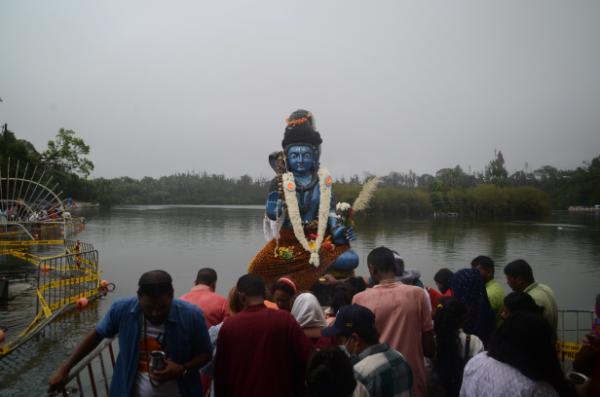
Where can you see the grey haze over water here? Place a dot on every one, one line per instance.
(161, 87)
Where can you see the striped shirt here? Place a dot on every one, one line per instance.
(384, 372)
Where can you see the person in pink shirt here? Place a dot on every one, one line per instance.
(203, 295)
(402, 315)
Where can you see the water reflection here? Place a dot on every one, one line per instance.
(563, 248)
(26, 371)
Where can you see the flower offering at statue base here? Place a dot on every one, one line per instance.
(327, 244)
(285, 253)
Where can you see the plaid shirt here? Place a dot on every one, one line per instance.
(384, 372)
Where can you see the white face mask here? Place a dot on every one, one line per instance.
(353, 357)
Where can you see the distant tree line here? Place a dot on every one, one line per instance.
(492, 192)
(489, 193)
(182, 188)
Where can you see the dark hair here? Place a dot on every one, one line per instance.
(382, 260)
(370, 337)
(342, 296)
(206, 276)
(300, 129)
(449, 317)
(527, 342)
(443, 276)
(251, 285)
(467, 286)
(357, 283)
(155, 283)
(398, 264)
(521, 302)
(285, 287)
(322, 292)
(235, 303)
(520, 269)
(484, 261)
(330, 374)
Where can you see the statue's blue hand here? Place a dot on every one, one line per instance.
(272, 207)
(342, 235)
(350, 235)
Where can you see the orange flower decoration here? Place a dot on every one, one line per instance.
(295, 122)
(291, 186)
(328, 180)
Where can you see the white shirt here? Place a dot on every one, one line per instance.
(360, 390)
(475, 345)
(487, 377)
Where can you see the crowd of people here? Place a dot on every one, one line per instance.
(386, 335)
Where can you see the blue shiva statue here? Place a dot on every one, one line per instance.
(301, 195)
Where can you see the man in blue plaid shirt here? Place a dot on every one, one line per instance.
(381, 369)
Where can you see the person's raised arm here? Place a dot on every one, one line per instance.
(85, 347)
(427, 338)
(428, 344)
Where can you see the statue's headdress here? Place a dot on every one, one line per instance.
(301, 129)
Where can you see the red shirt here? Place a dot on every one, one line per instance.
(261, 352)
(435, 296)
(213, 305)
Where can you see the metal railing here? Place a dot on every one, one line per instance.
(61, 282)
(92, 375)
(73, 246)
(65, 279)
(573, 325)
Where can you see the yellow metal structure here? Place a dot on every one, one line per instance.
(35, 227)
(62, 280)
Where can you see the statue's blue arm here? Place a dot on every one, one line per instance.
(274, 206)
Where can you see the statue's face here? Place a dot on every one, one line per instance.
(301, 159)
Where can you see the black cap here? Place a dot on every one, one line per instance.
(352, 319)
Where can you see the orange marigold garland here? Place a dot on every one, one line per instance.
(296, 122)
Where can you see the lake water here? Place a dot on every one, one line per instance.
(563, 249)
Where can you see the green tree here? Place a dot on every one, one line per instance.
(495, 172)
(16, 149)
(450, 178)
(67, 153)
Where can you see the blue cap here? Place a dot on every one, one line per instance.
(352, 319)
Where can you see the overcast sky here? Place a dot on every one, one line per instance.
(158, 87)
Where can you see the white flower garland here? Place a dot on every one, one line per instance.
(289, 191)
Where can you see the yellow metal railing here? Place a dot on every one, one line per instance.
(62, 281)
(573, 325)
(29, 243)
